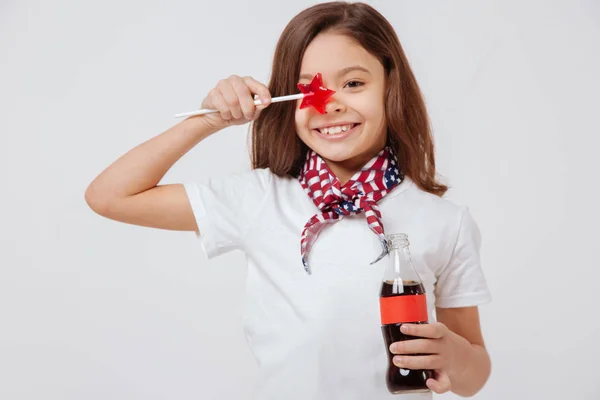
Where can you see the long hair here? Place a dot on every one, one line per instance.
(275, 144)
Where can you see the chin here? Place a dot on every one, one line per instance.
(336, 152)
(338, 157)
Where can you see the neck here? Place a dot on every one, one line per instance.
(345, 170)
(341, 172)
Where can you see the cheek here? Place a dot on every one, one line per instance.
(374, 114)
(375, 111)
(370, 106)
(301, 121)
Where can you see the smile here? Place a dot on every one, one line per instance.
(336, 131)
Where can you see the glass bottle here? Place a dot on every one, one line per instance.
(402, 300)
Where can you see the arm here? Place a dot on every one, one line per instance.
(128, 189)
(473, 365)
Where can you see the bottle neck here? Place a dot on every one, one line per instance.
(401, 267)
(397, 241)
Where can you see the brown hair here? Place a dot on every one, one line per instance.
(275, 144)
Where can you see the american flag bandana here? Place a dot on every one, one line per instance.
(361, 193)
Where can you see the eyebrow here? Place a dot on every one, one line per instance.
(341, 72)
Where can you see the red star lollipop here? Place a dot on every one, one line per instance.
(315, 94)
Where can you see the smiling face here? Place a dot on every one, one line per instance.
(353, 129)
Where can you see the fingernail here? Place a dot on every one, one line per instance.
(392, 348)
(404, 328)
(397, 361)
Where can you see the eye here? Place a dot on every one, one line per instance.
(353, 84)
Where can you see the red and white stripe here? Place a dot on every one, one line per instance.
(363, 191)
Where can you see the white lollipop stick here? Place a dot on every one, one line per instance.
(256, 102)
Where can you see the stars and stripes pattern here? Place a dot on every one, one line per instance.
(360, 194)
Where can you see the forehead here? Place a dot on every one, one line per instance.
(331, 52)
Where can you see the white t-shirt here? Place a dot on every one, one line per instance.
(319, 336)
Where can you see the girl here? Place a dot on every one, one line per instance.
(312, 306)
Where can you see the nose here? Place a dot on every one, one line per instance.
(334, 105)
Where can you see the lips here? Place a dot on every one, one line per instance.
(336, 132)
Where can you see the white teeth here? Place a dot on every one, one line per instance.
(333, 130)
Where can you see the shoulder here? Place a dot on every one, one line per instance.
(412, 205)
(272, 188)
(410, 195)
(248, 187)
(258, 180)
(258, 176)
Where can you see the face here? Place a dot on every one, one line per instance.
(353, 129)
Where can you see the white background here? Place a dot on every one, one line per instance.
(94, 309)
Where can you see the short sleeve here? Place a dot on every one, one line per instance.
(461, 283)
(225, 207)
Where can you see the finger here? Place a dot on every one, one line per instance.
(441, 383)
(433, 361)
(434, 330)
(231, 98)
(258, 108)
(244, 96)
(218, 103)
(415, 346)
(260, 89)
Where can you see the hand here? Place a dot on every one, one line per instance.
(234, 99)
(439, 350)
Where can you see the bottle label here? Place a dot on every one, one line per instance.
(400, 309)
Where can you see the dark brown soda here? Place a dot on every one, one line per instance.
(414, 380)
